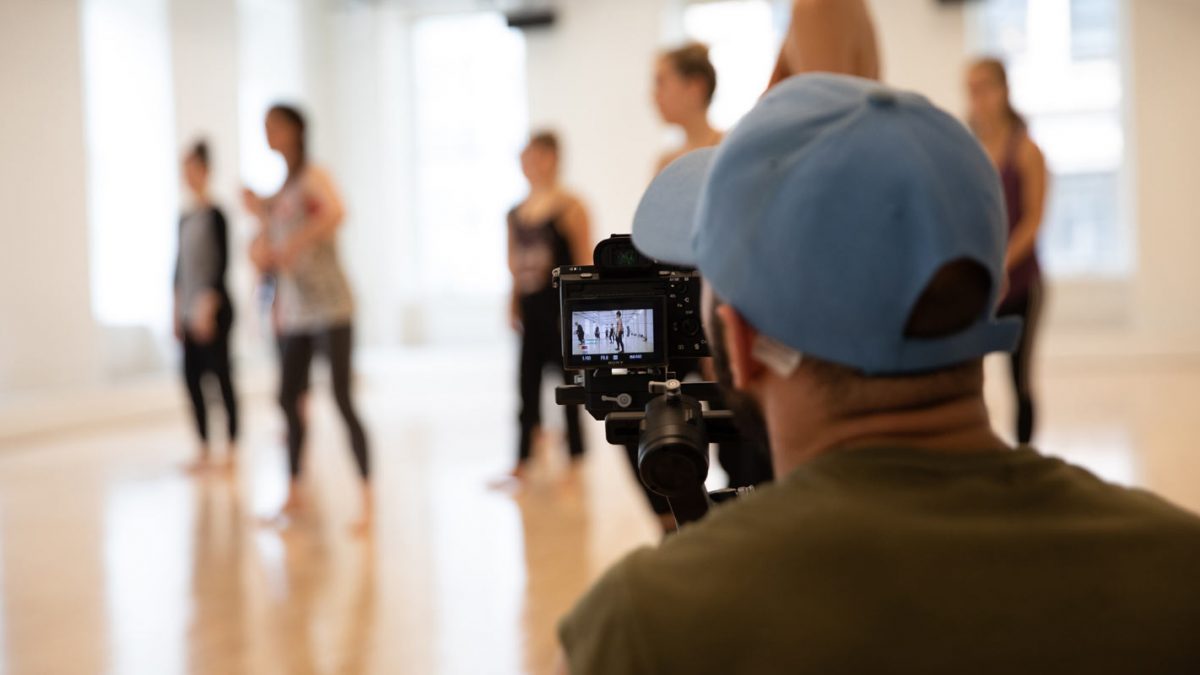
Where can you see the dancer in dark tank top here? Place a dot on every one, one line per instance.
(548, 229)
(1004, 135)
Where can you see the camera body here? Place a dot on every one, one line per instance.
(628, 311)
(628, 323)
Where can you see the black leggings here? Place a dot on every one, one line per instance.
(297, 354)
(540, 347)
(211, 357)
(1029, 309)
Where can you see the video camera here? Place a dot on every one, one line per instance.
(629, 324)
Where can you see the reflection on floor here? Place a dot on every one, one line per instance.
(111, 559)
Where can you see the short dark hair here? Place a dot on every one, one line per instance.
(198, 152)
(691, 62)
(545, 139)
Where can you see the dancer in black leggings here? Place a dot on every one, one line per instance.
(620, 334)
(547, 230)
(1023, 174)
(298, 350)
(203, 313)
(314, 306)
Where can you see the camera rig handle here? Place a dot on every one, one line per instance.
(603, 393)
(672, 437)
(661, 417)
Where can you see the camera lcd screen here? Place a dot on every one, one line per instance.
(622, 334)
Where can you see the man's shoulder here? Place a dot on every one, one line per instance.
(792, 558)
(1085, 489)
(672, 592)
(831, 511)
(772, 522)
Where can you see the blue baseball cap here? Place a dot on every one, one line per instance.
(825, 213)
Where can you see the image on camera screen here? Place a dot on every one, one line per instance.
(618, 334)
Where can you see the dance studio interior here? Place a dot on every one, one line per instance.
(310, 363)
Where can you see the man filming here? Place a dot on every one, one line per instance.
(852, 239)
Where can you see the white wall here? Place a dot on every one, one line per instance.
(47, 337)
(204, 54)
(590, 78)
(923, 47)
(367, 146)
(1165, 100)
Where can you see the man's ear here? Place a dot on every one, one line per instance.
(739, 339)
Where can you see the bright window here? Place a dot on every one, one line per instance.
(471, 120)
(1065, 76)
(743, 45)
(132, 176)
(269, 72)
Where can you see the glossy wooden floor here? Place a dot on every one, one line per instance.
(113, 560)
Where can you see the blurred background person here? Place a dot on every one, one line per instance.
(203, 313)
(548, 229)
(684, 83)
(832, 36)
(1003, 133)
(314, 305)
(823, 35)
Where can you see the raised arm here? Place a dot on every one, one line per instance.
(833, 36)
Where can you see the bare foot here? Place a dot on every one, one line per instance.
(197, 466)
(365, 525)
(279, 521)
(295, 502)
(228, 468)
(292, 511)
(575, 470)
(513, 480)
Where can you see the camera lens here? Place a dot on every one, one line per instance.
(673, 456)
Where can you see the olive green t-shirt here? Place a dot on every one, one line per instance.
(900, 561)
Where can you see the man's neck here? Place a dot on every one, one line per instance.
(957, 424)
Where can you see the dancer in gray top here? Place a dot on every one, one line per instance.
(203, 314)
(298, 244)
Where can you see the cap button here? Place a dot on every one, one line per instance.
(881, 98)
